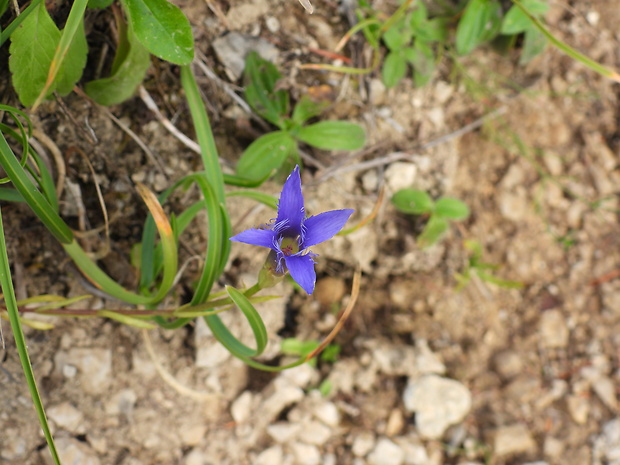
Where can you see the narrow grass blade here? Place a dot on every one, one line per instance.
(6, 33)
(571, 52)
(37, 202)
(11, 304)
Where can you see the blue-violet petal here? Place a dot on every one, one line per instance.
(301, 268)
(260, 237)
(324, 226)
(291, 204)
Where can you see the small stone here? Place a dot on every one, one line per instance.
(415, 452)
(67, 417)
(386, 452)
(330, 290)
(233, 48)
(607, 445)
(328, 413)
(122, 402)
(94, 367)
(400, 175)
(553, 447)
(578, 408)
(606, 391)
(195, 457)
(72, 451)
(272, 456)
(363, 443)
(553, 330)
(283, 432)
(377, 92)
(315, 433)
(395, 423)
(513, 439)
(370, 181)
(508, 364)
(240, 409)
(306, 454)
(272, 24)
(437, 402)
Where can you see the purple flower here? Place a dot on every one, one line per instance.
(292, 233)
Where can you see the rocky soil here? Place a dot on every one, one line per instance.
(428, 373)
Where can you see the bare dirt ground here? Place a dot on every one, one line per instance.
(429, 374)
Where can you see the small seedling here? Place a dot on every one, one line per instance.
(410, 42)
(440, 212)
(475, 266)
(269, 152)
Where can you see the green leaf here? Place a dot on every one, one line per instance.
(265, 199)
(222, 333)
(434, 229)
(451, 208)
(516, 21)
(260, 79)
(162, 28)
(333, 135)
(481, 22)
(413, 202)
(32, 48)
(433, 30)
(128, 72)
(99, 4)
(394, 68)
(398, 35)
(533, 44)
(265, 155)
(307, 108)
(74, 62)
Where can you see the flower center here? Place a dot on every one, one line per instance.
(290, 245)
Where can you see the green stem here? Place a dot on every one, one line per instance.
(571, 52)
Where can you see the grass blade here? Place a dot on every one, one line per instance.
(11, 304)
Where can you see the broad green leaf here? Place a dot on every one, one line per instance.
(451, 208)
(434, 229)
(480, 22)
(265, 155)
(433, 30)
(126, 76)
(32, 48)
(533, 44)
(394, 68)
(516, 21)
(413, 201)
(333, 135)
(398, 35)
(419, 16)
(307, 108)
(99, 4)
(74, 62)
(260, 79)
(162, 28)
